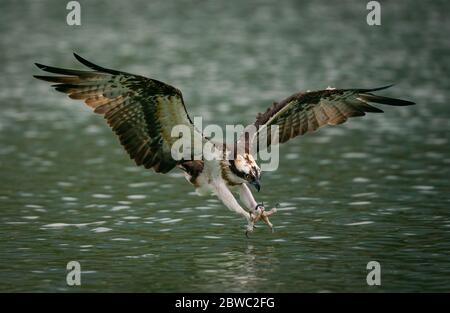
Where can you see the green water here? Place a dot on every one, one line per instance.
(376, 188)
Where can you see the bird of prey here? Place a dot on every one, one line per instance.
(143, 111)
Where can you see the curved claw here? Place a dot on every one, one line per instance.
(249, 229)
(265, 217)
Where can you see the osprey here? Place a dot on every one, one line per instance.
(143, 111)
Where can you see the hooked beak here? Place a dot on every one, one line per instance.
(256, 184)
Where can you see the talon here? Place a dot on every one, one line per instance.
(270, 225)
(271, 212)
(265, 217)
(249, 230)
(255, 215)
(259, 213)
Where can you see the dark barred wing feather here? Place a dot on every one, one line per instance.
(305, 112)
(141, 111)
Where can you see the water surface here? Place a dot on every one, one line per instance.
(376, 188)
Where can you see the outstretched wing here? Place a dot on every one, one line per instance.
(305, 112)
(141, 111)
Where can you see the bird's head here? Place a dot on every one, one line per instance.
(245, 167)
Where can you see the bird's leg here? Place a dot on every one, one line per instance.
(249, 202)
(257, 211)
(226, 196)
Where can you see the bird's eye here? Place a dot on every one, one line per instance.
(247, 176)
